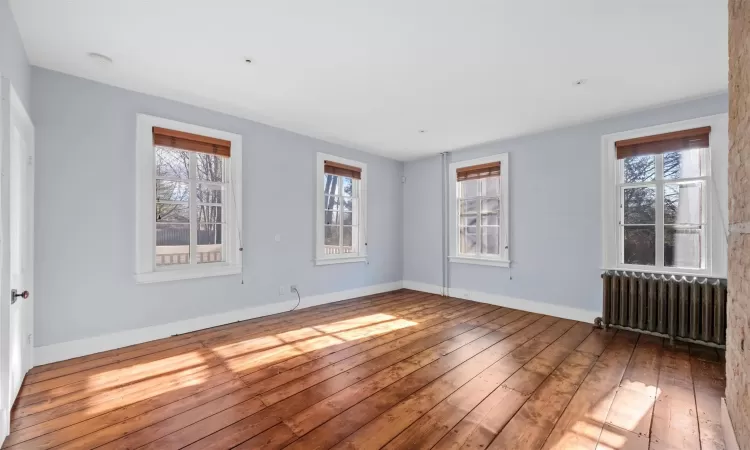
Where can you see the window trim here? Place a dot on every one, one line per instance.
(715, 195)
(321, 258)
(145, 200)
(453, 256)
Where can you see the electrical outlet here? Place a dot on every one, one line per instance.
(293, 288)
(282, 290)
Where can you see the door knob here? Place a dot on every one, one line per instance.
(14, 295)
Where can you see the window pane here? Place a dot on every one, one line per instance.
(682, 247)
(211, 214)
(172, 163)
(490, 187)
(490, 204)
(640, 245)
(347, 186)
(209, 246)
(331, 202)
(331, 217)
(683, 203)
(468, 188)
(166, 212)
(491, 218)
(348, 218)
(347, 242)
(468, 220)
(638, 169)
(209, 167)
(349, 203)
(209, 234)
(467, 240)
(331, 186)
(684, 164)
(639, 204)
(332, 236)
(468, 206)
(490, 240)
(174, 191)
(172, 244)
(208, 193)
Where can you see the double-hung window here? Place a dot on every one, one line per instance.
(669, 201)
(187, 217)
(479, 211)
(340, 210)
(663, 188)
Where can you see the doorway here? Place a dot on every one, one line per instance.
(16, 248)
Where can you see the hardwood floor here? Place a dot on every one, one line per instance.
(398, 370)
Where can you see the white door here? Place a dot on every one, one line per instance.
(16, 247)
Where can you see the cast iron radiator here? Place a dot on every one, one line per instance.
(692, 309)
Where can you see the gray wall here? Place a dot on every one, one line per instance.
(85, 201)
(13, 62)
(555, 241)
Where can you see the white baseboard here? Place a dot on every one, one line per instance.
(565, 312)
(423, 287)
(72, 349)
(730, 439)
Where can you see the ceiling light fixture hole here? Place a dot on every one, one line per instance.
(580, 82)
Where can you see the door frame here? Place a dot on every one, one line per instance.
(13, 111)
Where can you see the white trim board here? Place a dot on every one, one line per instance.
(730, 438)
(72, 349)
(565, 312)
(423, 287)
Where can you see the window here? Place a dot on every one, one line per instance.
(341, 210)
(188, 212)
(668, 204)
(480, 211)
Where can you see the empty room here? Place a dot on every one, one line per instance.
(396, 224)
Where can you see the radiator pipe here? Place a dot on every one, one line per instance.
(446, 224)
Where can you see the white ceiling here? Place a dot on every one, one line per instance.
(371, 73)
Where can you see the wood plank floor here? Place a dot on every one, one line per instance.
(398, 370)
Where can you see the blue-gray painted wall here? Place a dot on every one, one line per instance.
(555, 207)
(85, 204)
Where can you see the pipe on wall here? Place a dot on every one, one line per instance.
(445, 227)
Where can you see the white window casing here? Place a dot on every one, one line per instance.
(359, 233)
(503, 258)
(714, 200)
(146, 270)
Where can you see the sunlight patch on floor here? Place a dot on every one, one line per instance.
(276, 354)
(619, 420)
(259, 359)
(235, 349)
(382, 328)
(137, 372)
(138, 393)
(354, 323)
(246, 346)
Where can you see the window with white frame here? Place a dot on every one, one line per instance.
(340, 210)
(663, 199)
(188, 215)
(480, 211)
(669, 195)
